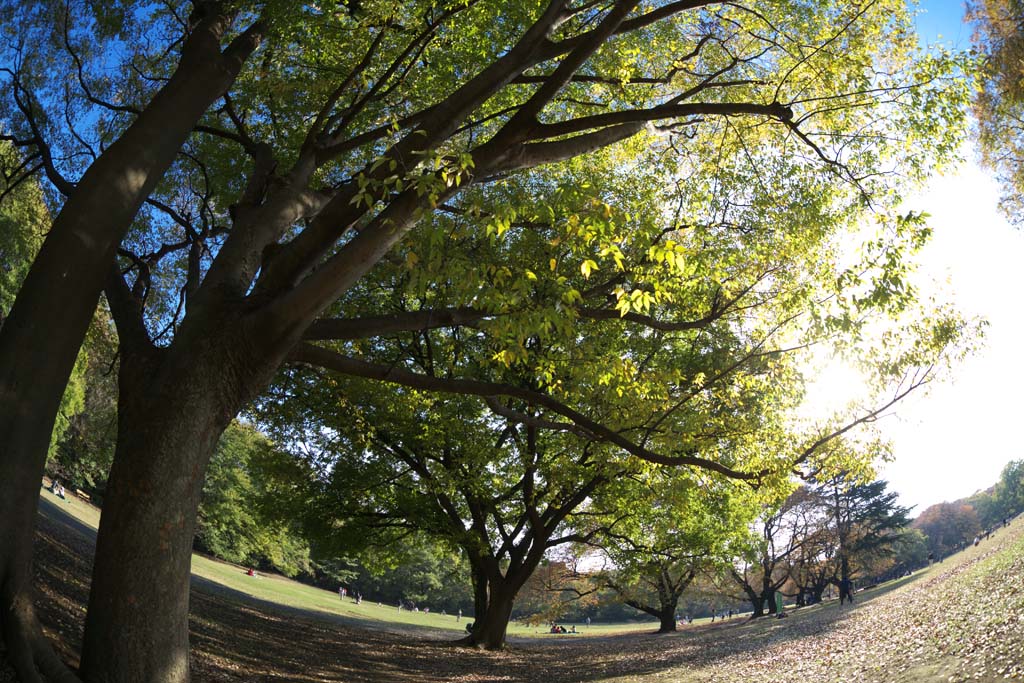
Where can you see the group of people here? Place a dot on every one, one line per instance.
(356, 596)
(557, 628)
(57, 489)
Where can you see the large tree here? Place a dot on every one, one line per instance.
(398, 465)
(363, 122)
(97, 202)
(866, 521)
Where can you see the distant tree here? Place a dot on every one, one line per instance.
(866, 519)
(988, 506)
(1009, 490)
(823, 533)
(85, 451)
(948, 526)
(775, 540)
(812, 567)
(420, 572)
(909, 552)
(999, 103)
(24, 221)
(677, 526)
(1003, 499)
(240, 516)
(557, 591)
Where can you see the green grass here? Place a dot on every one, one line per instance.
(288, 593)
(283, 591)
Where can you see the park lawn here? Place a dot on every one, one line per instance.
(284, 592)
(960, 620)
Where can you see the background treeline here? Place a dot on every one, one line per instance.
(950, 526)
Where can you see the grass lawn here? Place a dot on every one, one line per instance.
(962, 620)
(285, 592)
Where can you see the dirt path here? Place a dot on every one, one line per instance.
(957, 620)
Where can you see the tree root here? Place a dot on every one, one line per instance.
(28, 651)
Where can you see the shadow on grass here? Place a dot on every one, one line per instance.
(237, 637)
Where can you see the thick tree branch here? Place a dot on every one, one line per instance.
(320, 357)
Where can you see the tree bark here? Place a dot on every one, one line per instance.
(40, 338)
(667, 619)
(479, 592)
(173, 406)
(768, 599)
(491, 627)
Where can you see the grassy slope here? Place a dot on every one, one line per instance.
(960, 620)
(283, 591)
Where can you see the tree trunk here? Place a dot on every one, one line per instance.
(41, 336)
(756, 601)
(667, 617)
(491, 627)
(767, 593)
(668, 596)
(665, 613)
(479, 591)
(27, 649)
(173, 406)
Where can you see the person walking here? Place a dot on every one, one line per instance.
(846, 590)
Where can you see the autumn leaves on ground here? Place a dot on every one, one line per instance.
(960, 620)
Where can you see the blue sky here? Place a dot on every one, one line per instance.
(940, 21)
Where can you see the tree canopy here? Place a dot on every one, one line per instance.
(999, 102)
(614, 225)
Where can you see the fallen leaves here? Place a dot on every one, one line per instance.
(962, 621)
